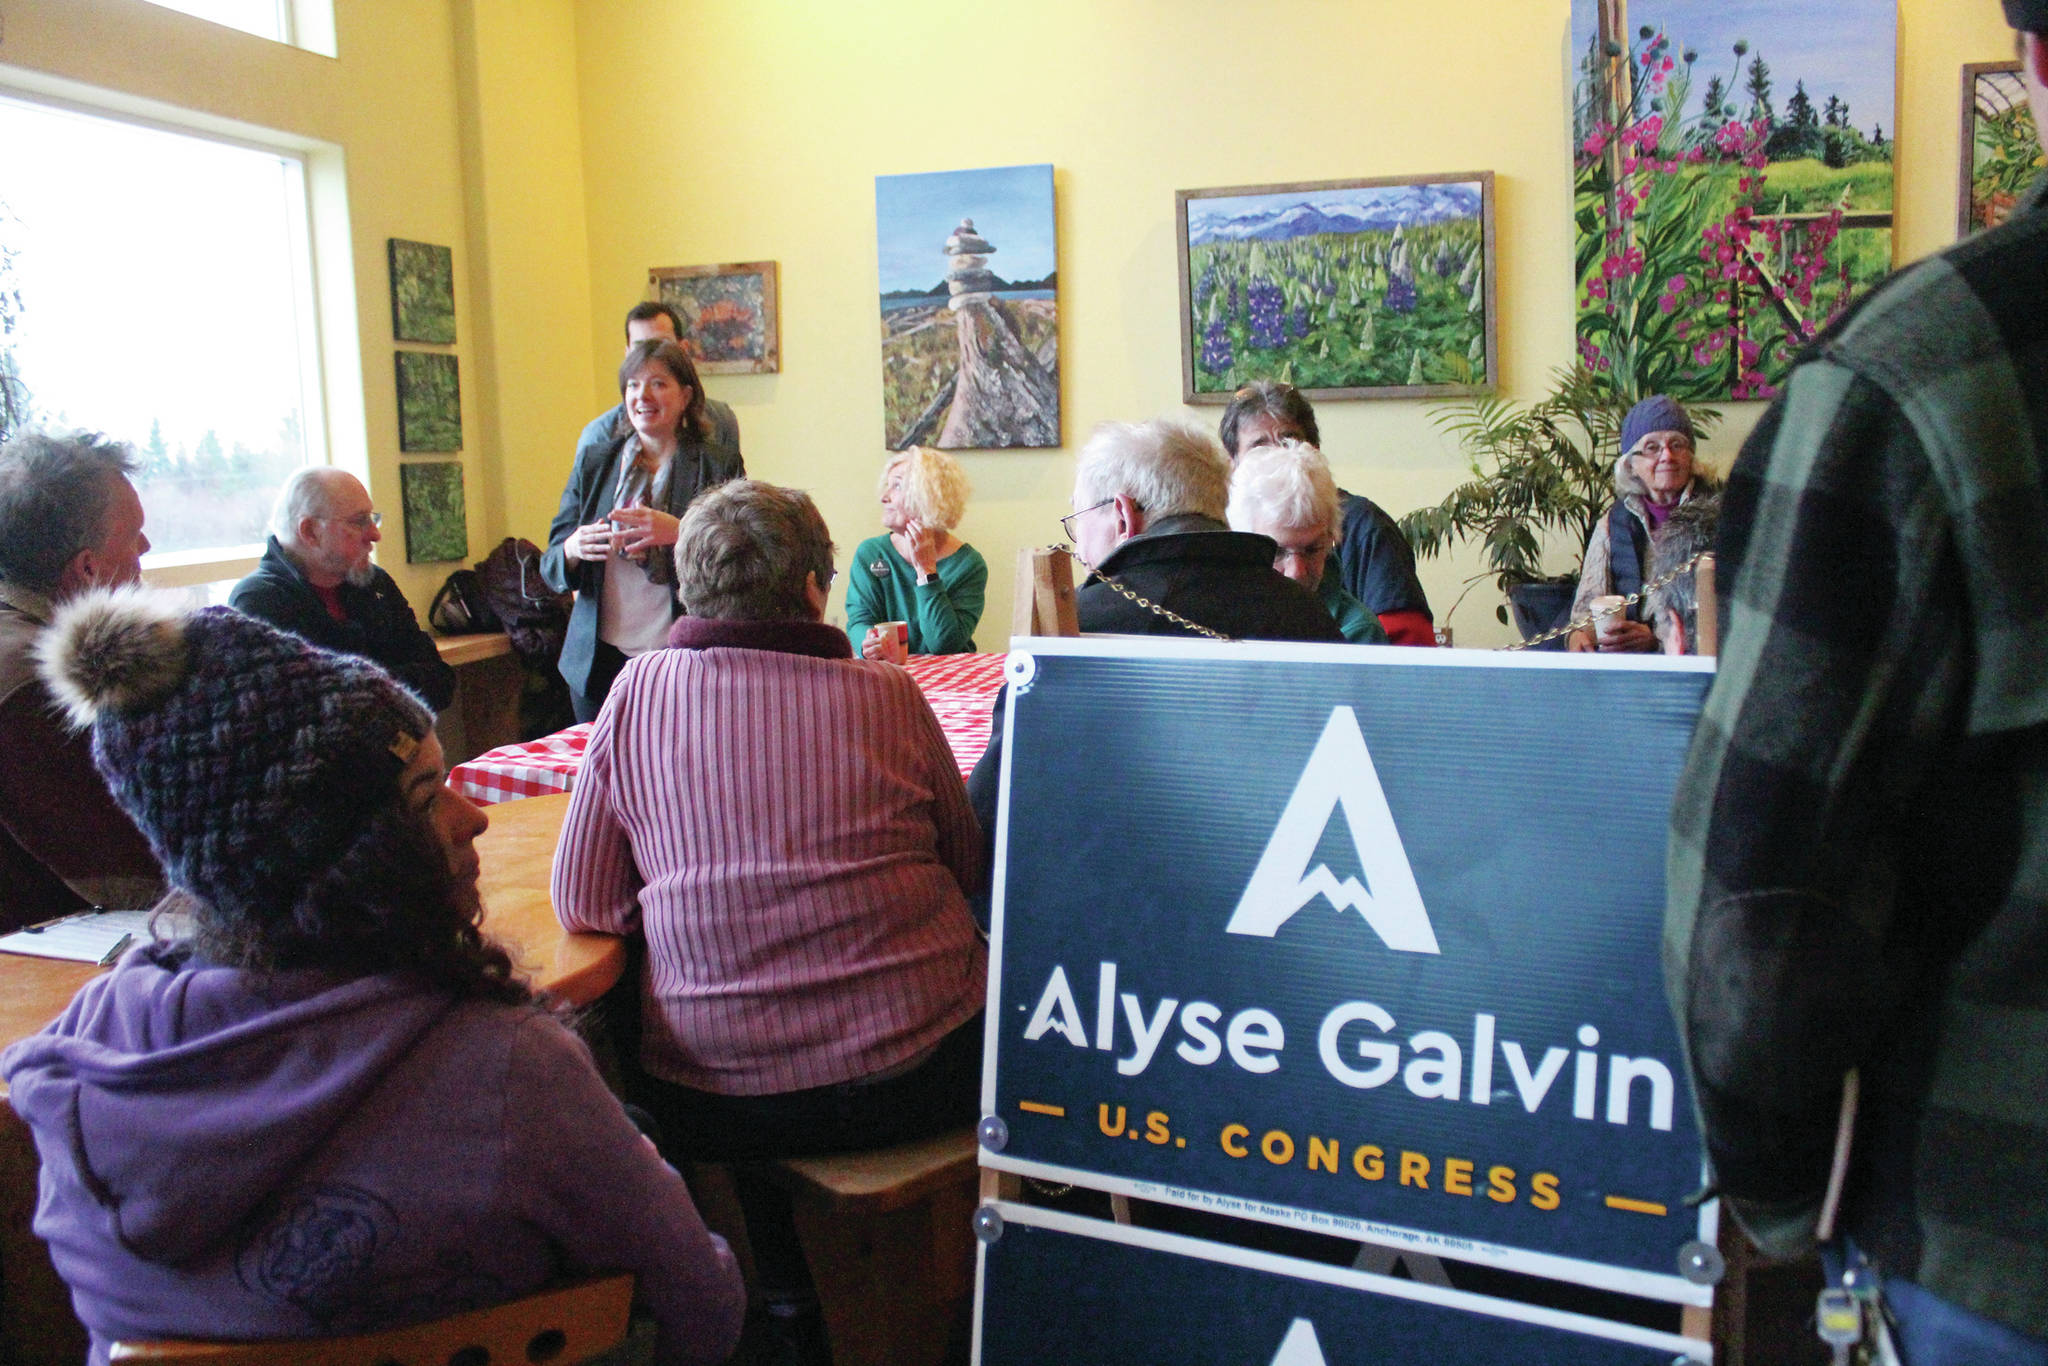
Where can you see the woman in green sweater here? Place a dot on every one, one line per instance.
(920, 572)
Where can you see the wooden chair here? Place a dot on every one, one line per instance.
(557, 1327)
(1044, 604)
(1709, 608)
(890, 1240)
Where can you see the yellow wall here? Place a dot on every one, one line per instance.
(563, 148)
(774, 118)
(529, 258)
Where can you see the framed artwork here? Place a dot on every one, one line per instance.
(970, 350)
(1342, 288)
(422, 291)
(729, 315)
(2000, 154)
(429, 402)
(1732, 184)
(436, 519)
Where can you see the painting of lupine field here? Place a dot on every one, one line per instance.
(2001, 156)
(1343, 288)
(1733, 188)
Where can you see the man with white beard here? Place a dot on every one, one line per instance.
(316, 581)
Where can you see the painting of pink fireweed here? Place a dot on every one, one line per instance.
(1733, 184)
(1342, 288)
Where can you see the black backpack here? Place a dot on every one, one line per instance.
(460, 608)
(534, 615)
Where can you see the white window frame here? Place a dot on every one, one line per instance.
(307, 24)
(323, 283)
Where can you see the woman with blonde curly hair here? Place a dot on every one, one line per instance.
(920, 572)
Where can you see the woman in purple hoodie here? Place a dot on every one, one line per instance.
(333, 1108)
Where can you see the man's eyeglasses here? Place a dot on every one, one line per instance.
(362, 521)
(1067, 522)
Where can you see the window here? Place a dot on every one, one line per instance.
(302, 23)
(264, 18)
(157, 287)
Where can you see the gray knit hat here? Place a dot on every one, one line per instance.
(250, 759)
(1657, 413)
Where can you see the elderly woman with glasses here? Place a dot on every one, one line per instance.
(1285, 492)
(1653, 476)
(918, 572)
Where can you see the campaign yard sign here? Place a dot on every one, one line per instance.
(1360, 940)
(1058, 1288)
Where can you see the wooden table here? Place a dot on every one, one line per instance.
(36, 1323)
(517, 853)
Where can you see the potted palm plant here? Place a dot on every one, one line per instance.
(1540, 472)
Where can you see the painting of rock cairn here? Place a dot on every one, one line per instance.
(970, 351)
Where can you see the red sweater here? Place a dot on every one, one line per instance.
(786, 827)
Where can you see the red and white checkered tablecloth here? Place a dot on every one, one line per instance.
(961, 689)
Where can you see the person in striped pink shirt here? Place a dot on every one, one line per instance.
(784, 826)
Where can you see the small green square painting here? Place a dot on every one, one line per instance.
(422, 291)
(429, 402)
(436, 519)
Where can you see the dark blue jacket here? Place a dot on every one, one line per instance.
(380, 625)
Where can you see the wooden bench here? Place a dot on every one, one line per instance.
(889, 1237)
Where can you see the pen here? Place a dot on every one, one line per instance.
(120, 947)
(42, 925)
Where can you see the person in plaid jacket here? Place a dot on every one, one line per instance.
(1858, 872)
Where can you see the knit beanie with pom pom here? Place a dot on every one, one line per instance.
(249, 758)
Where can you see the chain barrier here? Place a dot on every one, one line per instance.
(1586, 623)
(1580, 623)
(1156, 609)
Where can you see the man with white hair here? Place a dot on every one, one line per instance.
(1286, 493)
(316, 581)
(1149, 501)
(70, 522)
(1149, 505)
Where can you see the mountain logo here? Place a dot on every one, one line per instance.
(1339, 773)
(1300, 1347)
